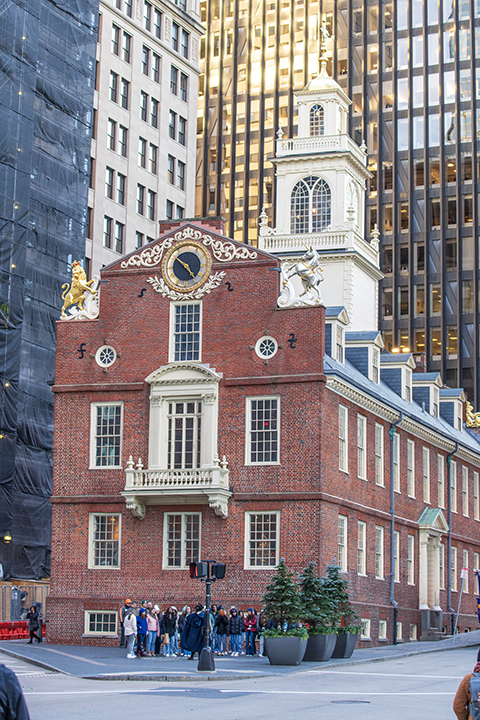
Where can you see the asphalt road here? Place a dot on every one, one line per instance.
(414, 688)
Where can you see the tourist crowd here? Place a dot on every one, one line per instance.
(147, 631)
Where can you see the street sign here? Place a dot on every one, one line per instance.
(464, 574)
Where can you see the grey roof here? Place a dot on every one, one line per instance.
(359, 335)
(450, 392)
(334, 310)
(429, 377)
(381, 392)
(387, 357)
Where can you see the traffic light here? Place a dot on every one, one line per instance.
(218, 570)
(198, 570)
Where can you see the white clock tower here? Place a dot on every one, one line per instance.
(321, 178)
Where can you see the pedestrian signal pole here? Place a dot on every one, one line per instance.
(207, 571)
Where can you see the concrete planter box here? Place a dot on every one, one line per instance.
(320, 648)
(345, 645)
(285, 650)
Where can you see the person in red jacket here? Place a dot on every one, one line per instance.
(251, 631)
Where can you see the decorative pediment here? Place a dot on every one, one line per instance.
(433, 519)
(183, 373)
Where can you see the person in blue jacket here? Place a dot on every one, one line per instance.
(141, 631)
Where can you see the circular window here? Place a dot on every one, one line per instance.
(106, 356)
(266, 347)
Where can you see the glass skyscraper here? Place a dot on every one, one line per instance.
(410, 70)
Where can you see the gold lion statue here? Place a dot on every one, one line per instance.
(74, 294)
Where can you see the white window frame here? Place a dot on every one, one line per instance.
(342, 543)
(476, 497)
(382, 630)
(441, 480)
(343, 438)
(411, 560)
(248, 429)
(362, 447)
(465, 490)
(171, 354)
(93, 437)
(465, 565)
(361, 548)
(183, 565)
(396, 462)
(426, 474)
(396, 555)
(413, 632)
(339, 342)
(91, 554)
(375, 365)
(365, 631)
(407, 385)
(453, 485)
(399, 630)
(248, 516)
(411, 468)
(379, 552)
(379, 455)
(442, 566)
(91, 633)
(476, 563)
(453, 569)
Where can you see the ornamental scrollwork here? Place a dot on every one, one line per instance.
(473, 418)
(160, 286)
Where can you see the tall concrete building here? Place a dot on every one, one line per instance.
(143, 148)
(410, 71)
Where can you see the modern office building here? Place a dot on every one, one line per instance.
(47, 82)
(143, 147)
(410, 69)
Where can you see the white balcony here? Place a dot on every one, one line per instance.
(180, 487)
(320, 143)
(347, 240)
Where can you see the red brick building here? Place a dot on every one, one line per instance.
(195, 418)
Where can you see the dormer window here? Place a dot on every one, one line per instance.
(435, 402)
(408, 385)
(317, 121)
(186, 322)
(375, 365)
(340, 343)
(310, 206)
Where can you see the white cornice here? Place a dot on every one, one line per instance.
(362, 399)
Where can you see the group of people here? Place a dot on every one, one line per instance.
(147, 631)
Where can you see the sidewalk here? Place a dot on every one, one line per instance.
(111, 663)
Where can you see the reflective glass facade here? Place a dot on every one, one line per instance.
(410, 70)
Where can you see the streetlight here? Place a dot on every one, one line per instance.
(207, 571)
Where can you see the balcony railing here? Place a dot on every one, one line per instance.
(144, 486)
(321, 143)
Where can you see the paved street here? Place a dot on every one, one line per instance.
(419, 687)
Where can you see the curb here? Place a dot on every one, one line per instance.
(40, 663)
(176, 678)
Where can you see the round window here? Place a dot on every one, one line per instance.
(106, 356)
(266, 347)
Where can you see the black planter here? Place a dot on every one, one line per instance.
(320, 648)
(345, 645)
(285, 650)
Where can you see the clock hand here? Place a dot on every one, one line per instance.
(186, 266)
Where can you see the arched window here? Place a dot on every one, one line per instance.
(317, 125)
(310, 208)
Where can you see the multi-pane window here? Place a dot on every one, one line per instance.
(442, 566)
(396, 462)
(453, 569)
(262, 535)
(441, 480)
(121, 187)
(152, 158)
(156, 67)
(151, 202)
(174, 80)
(382, 629)
(104, 545)
(317, 120)
(145, 60)
(184, 435)
(119, 237)
(126, 46)
(310, 207)
(182, 539)
(185, 43)
(476, 497)
(100, 623)
(361, 548)
(115, 39)
(109, 174)
(379, 552)
(426, 475)
(183, 87)
(362, 447)
(453, 485)
(143, 106)
(411, 560)
(342, 542)
(186, 332)
(476, 563)
(106, 435)
(128, 8)
(180, 212)
(465, 490)
(122, 140)
(343, 438)
(111, 134)
(142, 152)
(113, 87)
(172, 124)
(147, 15)
(465, 567)
(411, 468)
(375, 365)
(182, 130)
(340, 343)
(181, 174)
(169, 209)
(124, 93)
(175, 34)
(396, 556)
(139, 237)
(157, 23)
(263, 430)
(171, 169)
(154, 113)
(107, 231)
(141, 199)
(379, 456)
(365, 631)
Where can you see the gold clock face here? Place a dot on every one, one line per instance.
(186, 266)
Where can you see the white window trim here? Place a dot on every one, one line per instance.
(381, 576)
(380, 456)
(476, 496)
(344, 409)
(165, 565)
(453, 485)
(442, 566)
(91, 565)
(396, 556)
(374, 357)
(426, 474)
(465, 565)
(248, 416)
(407, 384)
(411, 560)
(362, 428)
(441, 480)
(171, 334)
(382, 629)
(465, 503)
(396, 462)
(93, 428)
(411, 468)
(453, 569)
(246, 563)
(362, 538)
(399, 630)
(100, 634)
(344, 560)
(366, 628)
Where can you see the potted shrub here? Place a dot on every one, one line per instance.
(286, 643)
(337, 587)
(320, 614)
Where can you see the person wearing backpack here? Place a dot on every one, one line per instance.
(466, 703)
